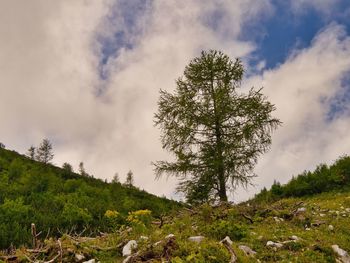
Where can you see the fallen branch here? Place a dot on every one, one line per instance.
(227, 243)
(248, 218)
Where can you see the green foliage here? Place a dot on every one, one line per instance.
(324, 178)
(62, 201)
(215, 133)
(222, 228)
(44, 152)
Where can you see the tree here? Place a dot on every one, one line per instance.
(82, 169)
(215, 133)
(31, 152)
(67, 167)
(2, 146)
(115, 178)
(44, 152)
(129, 179)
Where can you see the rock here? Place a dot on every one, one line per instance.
(196, 239)
(143, 238)
(247, 250)
(278, 219)
(79, 257)
(294, 238)
(127, 249)
(157, 243)
(347, 210)
(331, 228)
(228, 240)
(169, 236)
(322, 215)
(90, 261)
(307, 229)
(344, 256)
(274, 244)
(301, 210)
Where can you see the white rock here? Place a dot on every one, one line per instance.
(307, 229)
(90, 261)
(197, 239)
(169, 236)
(157, 243)
(274, 244)
(228, 240)
(247, 250)
(127, 249)
(294, 238)
(347, 210)
(301, 209)
(342, 207)
(79, 257)
(322, 215)
(330, 227)
(143, 238)
(345, 258)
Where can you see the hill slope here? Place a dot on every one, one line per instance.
(289, 230)
(58, 200)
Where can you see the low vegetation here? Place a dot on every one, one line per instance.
(60, 201)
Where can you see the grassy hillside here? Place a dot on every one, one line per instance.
(60, 201)
(296, 229)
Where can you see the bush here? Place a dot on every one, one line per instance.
(222, 228)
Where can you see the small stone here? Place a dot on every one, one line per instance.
(127, 249)
(331, 228)
(79, 257)
(301, 210)
(322, 215)
(196, 239)
(90, 261)
(143, 238)
(307, 229)
(274, 244)
(247, 250)
(294, 238)
(347, 210)
(345, 258)
(169, 236)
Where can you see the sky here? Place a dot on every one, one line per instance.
(87, 74)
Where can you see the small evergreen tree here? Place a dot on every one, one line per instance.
(67, 167)
(31, 152)
(129, 179)
(2, 146)
(115, 178)
(44, 152)
(82, 169)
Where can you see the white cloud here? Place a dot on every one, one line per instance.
(302, 89)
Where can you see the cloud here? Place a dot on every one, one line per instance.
(303, 90)
(324, 6)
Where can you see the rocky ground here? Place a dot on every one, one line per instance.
(315, 229)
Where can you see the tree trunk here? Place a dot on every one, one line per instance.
(222, 187)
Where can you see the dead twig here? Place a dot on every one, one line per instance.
(227, 243)
(248, 218)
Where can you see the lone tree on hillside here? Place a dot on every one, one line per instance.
(44, 152)
(215, 133)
